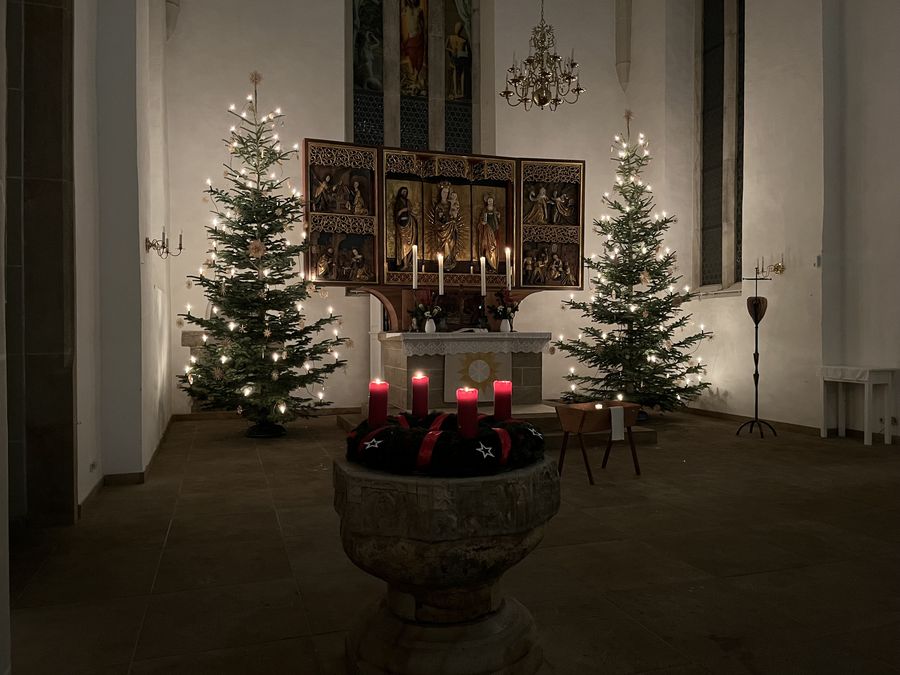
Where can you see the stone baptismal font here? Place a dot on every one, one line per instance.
(439, 506)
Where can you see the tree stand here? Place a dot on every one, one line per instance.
(756, 306)
(266, 429)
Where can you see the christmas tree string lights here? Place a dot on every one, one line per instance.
(260, 354)
(637, 346)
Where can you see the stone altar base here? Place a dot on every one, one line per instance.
(404, 354)
(442, 544)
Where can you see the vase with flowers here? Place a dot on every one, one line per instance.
(425, 311)
(504, 311)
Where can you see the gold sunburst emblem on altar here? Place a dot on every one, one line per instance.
(478, 371)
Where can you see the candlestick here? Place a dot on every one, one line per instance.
(483, 279)
(502, 400)
(508, 251)
(467, 411)
(440, 258)
(378, 403)
(415, 266)
(419, 395)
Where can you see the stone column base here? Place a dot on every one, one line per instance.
(504, 642)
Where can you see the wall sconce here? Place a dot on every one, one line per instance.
(765, 272)
(161, 246)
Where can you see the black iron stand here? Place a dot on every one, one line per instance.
(757, 308)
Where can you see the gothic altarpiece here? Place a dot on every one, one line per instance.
(368, 207)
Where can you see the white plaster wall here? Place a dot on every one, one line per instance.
(87, 241)
(299, 48)
(120, 246)
(868, 210)
(783, 213)
(156, 390)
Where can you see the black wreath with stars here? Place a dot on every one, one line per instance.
(433, 446)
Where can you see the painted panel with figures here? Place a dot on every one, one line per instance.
(552, 227)
(342, 212)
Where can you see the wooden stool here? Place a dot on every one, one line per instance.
(586, 418)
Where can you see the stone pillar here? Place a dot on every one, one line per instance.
(40, 263)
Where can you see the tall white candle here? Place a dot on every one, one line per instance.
(483, 278)
(440, 258)
(415, 266)
(508, 270)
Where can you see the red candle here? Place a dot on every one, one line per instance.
(467, 411)
(378, 403)
(420, 395)
(502, 400)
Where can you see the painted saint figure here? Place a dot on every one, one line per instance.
(445, 221)
(405, 228)
(412, 47)
(325, 264)
(538, 213)
(459, 62)
(486, 231)
(358, 269)
(359, 205)
(562, 209)
(322, 192)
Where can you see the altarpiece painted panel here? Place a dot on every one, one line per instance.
(342, 207)
(368, 207)
(552, 227)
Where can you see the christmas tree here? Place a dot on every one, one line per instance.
(638, 346)
(260, 354)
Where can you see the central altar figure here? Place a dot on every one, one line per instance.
(488, 227)
(445, 220)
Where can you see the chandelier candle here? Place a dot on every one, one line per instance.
(467, 411)
(483, 278)
(502, 400)
(378, 403)
(415, 266)
(419, 395)
(440, 258)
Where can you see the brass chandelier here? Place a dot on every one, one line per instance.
(543, 79)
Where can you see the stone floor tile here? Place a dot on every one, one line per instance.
(614, 565)
(881, 642)
(235, 501)
(726, 551)
(252, 526)
(76, 638)
(311, 556)
(334, 601)
(295, 655)
(309, 522)
(89, 575)
(609, 645)
(211, 563)
(220, 618)
(330, 652)
(710, 619)
(832, 597)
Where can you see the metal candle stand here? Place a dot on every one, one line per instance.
(756, 307)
